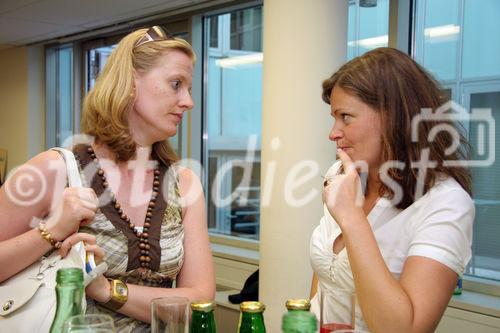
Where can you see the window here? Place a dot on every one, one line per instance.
(481, 40)
(368, 26)
(486, 248)
(232, 113)
(59, 95)
(457, 41)
(438, 37)
(96, 59)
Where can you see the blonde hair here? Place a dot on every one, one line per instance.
(106, 106)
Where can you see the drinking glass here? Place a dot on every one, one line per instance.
(337, 310)
(89, 323)
(170, 315)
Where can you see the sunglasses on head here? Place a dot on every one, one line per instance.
(155, 33)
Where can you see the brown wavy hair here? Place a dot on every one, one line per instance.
(393, 84)
(106, 106)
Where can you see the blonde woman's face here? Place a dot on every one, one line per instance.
(357, 128)
(162, 96)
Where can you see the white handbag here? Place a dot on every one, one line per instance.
(28, 299)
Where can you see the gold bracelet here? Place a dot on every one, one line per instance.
(47, 236)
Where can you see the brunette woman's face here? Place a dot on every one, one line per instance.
(357, 128)
(163, 94)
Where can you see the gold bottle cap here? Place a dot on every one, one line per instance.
(252, 307)
(298, 304)
(203, 306)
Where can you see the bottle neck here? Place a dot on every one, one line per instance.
(70, 297)
(202, 322)
(252, 323)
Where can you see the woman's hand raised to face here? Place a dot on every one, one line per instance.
(343, 194)
(77, 207)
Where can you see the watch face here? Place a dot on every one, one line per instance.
(120, 289)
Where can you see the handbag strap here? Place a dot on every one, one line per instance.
(74, 179)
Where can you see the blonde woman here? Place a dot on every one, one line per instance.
(143, 213)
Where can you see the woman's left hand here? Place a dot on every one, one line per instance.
(90, 245)
(98, 289)
(343, 195)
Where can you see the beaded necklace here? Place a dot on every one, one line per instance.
(143, 236)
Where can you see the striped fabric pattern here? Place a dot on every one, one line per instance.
(114, 243)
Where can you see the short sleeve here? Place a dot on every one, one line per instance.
(443, 229)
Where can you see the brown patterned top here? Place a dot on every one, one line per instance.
(166, 236)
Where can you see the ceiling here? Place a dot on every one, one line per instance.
(30, 21)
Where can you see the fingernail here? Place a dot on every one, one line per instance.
(339, 149)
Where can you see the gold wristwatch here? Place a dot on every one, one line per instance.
(118, 295)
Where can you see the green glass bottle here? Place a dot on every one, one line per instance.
(251, 318)
(298, 304)
(70, 294)
(202, 319)
(299, 322)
